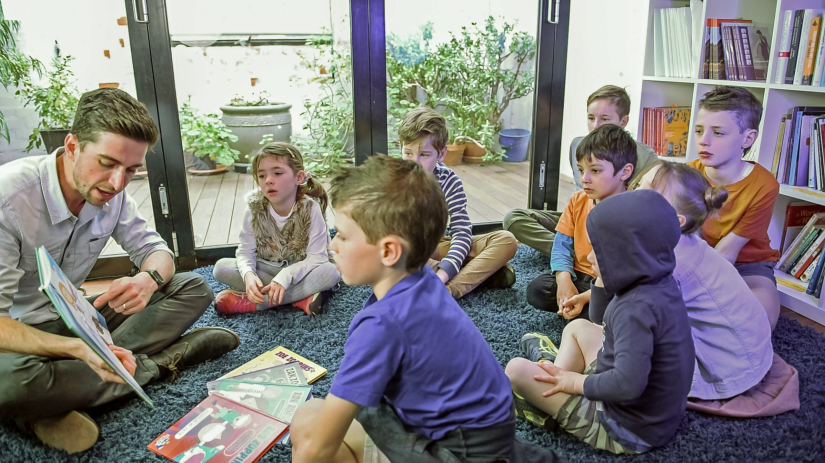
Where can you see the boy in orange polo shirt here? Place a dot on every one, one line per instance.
(606, 159)
(726, 129)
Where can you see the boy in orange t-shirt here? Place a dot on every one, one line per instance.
(726, 129)
(606, 159)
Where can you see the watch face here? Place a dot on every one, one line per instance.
(155, 276)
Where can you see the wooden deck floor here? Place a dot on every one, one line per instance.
(217, 203)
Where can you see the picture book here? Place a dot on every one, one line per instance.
(219, 430)
(290, 374)
(276, 400)
(760, 50)
(84, 321)
(279, 356)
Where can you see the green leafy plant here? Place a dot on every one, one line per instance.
(471, 79)
(484, 70)
(329, 118)
(260, 99)
(55, 103)
(206, 136)
(14, 65)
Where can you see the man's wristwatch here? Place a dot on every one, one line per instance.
(155, 276)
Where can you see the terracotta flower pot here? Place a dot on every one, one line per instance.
(454, 155)
(473, 153)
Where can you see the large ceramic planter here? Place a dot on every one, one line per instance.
(454, 155)
(473, 153)
(251, 123)
(53, 139)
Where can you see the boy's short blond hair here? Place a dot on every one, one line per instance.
(617, 96)
(390, 196)
(421, 121)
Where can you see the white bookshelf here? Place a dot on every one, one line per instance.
(777, 99)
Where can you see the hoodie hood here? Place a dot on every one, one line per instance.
(633, 235)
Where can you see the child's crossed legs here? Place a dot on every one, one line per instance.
(581, 341)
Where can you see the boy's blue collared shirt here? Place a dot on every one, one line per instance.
(33, 213)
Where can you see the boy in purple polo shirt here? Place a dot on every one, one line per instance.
(403, 391)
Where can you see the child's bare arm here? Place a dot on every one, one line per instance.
(317, 434)
(730, 245)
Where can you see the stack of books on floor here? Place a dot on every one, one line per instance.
(672, 34)
(735, 49)
(802, 258)
(801, 56)
(798, 157)
(666, 130)
(247, 411)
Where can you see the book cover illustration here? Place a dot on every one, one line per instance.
(290, 374)
(760, 51)
(675, 131)
(276, 400)
(219, 430)
(81, 318)
(279, 356)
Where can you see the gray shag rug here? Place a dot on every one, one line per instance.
(127, 426)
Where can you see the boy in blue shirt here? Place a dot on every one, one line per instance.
(402, 393)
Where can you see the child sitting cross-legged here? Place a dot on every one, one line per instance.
(627, 393)
(461, 261)
(731, 331)
(413, 397)
(727, 126)
(606, 158)
(284, 240)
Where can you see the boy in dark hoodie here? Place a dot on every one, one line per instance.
(619, 384)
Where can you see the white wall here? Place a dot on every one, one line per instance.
(605, 46)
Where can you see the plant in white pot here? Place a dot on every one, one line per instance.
(251, 117)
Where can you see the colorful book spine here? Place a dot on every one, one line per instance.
(778, 151)
(784, 51)
(811, 50)
(799, 16)
(804, 38)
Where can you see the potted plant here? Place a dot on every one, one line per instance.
(14, 65)
(329, 118)
(207, 138)
(478, 86)
(252, 117)
(55, 103)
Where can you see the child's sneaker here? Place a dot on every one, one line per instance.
(537, 346)
(231, 302)
(533, 414)
(311, 305)
(501, 278)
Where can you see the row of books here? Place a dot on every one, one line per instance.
(735, 49)
(666, 130)
(803, 257)
(672, 42)
(801, 56)
(798, 158)
(246, 413)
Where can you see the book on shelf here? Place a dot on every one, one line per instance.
(815, 283)
(672, 35)
(806, 275)
(795, 37)
(808, 256)
(666, 130)
(779, 139)
(784, 52)
(219, 430)
(797, 215)
(280, 356)
(717, 56)
(797, 234)
(811, 46)
(796, 156)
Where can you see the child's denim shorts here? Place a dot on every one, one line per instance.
(762, 269)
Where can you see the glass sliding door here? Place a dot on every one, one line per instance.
(475, 64)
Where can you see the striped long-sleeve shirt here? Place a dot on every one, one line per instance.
(459, 226)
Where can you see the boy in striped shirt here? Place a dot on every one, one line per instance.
(462, 261)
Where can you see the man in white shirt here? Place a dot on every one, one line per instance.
(71, 202)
